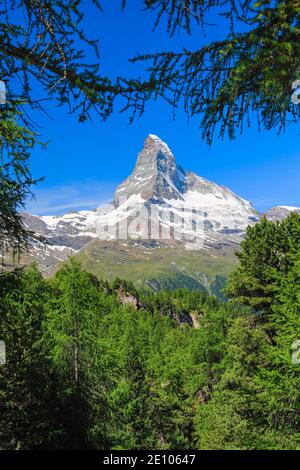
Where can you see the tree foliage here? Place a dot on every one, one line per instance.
(267, 252)
(29, 408)
(47, 48)
(16, 142)
(182, 371)
(245, 76)
(248, 73)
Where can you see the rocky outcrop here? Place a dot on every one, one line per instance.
(129, 299)
(279, 213)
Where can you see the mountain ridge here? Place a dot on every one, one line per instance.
(158, 202)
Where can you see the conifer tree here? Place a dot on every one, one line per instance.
(280, 378)
(74, 334)
(268, 248)
(247, 73)
(16, 181)
(28, 387)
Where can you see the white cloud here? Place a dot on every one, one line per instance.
(71, 197)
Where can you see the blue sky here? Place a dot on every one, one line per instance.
(84, 163)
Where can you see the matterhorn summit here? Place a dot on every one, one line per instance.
(158, 180)
(156, 176)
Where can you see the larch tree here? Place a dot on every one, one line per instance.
(248, 75)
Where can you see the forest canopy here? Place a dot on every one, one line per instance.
(86, 371)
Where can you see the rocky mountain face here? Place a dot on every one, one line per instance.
(160, 206)
(158, 201)
(156, 177)
(279, 213)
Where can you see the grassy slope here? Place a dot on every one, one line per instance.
(160, 267)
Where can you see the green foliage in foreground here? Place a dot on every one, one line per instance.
(16, 142)
(86, 368)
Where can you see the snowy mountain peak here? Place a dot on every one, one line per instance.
(156, 176)
(173, 205)
(278, 213)
(158, 152)
(153, 141)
